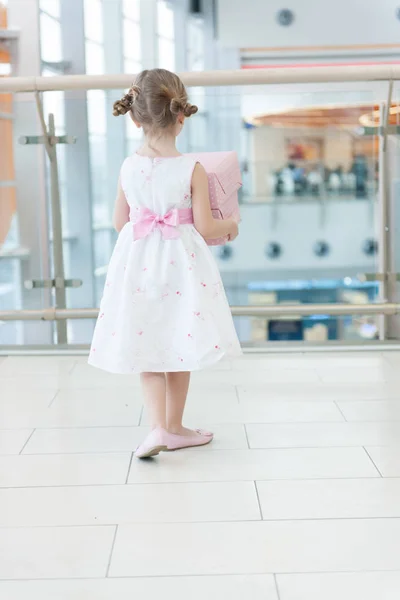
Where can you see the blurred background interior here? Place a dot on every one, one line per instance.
(310, 154)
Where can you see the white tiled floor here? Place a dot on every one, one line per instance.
(298, 498)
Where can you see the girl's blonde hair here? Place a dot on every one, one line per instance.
(155, 100)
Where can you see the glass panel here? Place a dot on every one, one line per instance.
(195, 40)
(97, 119)
(50, 38)
(165, 16)
(302, 248)
(51, 7)
(132, 40)
(309, 244)
(94, 20)
(166, 54)
(132, 66)
(94, 58)
(131, 9)
(23, 227)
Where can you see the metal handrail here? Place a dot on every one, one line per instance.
(277, 75)
(273, 310)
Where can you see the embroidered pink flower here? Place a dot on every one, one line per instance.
(181, 359)
(140, 332)
(145, 269)
(203, 284)
(190, 336)
(178, 293)
(113, 334)
(193, 255)
(172, 262)
(196, 314)
(217, 347)
(101, 316)
(190, 268)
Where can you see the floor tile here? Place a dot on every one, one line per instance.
(387, 459)
(358, 374)
(310, 361)
(108, 504)
(340, 586)
(248, 465)
(266, 376)
(331, 499)
(36, 365)
(262, 547)
(84, 376)
(63, 469)
(92, 408)
(319, 391)
(371, 410)
(208, 411)
(310, 435)
(13, 440)
(120, 439)
(35, 553)
(235, 587)
(24, 410)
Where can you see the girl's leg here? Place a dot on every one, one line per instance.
(177, 390)
(154, 389)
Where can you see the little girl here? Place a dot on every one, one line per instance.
(164, 312)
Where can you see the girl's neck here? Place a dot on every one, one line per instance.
(159, 146)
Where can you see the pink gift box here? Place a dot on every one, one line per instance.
(224, 181)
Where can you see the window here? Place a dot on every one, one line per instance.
(132, 40)
(94, 35)
(94, 58)
(131, 9)
(132, 37)
(166, 36)
(51, 7)
(132, 61)
(94, 20)
(50, 38)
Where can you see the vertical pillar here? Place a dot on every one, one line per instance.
(78, 184)
(114, 63)
(30, 171)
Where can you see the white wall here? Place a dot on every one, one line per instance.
(298, 226)
(317, 23)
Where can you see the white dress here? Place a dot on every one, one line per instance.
(164, 307)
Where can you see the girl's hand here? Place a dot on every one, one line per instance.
(233, 231)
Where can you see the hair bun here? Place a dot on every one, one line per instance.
(179, 106)
(190, 109)
(121, 107)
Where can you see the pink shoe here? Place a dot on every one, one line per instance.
(178, 442)
(154, 444)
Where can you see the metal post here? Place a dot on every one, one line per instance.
(384, 216)
(50, 142)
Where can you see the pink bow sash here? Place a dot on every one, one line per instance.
(148, 221)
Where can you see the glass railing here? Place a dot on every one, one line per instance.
(309, 209)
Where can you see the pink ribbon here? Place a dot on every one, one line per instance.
(148, 221)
